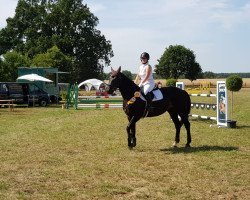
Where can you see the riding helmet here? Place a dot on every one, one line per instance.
(145, 55)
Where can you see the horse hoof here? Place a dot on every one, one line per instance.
(130, 148)
(134, 142)
(175, 145)
(187, 146)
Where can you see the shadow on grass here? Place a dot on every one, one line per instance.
(198, 149)
(243, 126)
(206, 121)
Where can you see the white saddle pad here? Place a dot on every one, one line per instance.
(157, 96)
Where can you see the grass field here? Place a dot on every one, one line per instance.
(51, 153)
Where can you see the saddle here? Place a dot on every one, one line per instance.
(156, 94)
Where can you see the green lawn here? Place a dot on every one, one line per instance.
(51, 153)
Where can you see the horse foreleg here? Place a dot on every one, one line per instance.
(131, 133)
(131, 138)
(177, 124)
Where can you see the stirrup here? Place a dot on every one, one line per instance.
(146, 110)
(145, 113)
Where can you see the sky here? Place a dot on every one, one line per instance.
(217, 31)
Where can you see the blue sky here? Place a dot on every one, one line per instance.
(218, 31)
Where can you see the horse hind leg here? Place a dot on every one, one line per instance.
(178, 125)
(187, 126)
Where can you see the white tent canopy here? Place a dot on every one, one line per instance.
(33, 77)
(97, 84)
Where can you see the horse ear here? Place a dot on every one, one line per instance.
(119, 69)
(112, 70)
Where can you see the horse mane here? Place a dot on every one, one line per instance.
(127, 87)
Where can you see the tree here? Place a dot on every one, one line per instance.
(11, 61)
(209, 74)
(105, 76)
(171, 82)
(38, 25)
(2, 75)
(128, 74)
(54, 58)
(176, 61)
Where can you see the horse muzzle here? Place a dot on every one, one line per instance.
(110, 89)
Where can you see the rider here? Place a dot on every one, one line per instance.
(145, 75)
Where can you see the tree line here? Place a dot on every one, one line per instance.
(210, 75)
(226, 75)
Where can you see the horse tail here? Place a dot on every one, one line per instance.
(188, 104)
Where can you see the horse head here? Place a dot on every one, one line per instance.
(126, 86)
(114, 80)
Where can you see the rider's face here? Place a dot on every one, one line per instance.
(144, 60)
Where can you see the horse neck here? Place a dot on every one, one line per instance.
(128, 88)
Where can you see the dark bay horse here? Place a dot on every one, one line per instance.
(175, 101)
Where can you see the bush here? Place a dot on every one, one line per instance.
(234, 83)
(171, 82)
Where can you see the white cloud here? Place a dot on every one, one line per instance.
(96, 7)
(229, 18)
(7, 9)
(127, 53)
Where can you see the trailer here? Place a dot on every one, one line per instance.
(23, 93)
(51, 73)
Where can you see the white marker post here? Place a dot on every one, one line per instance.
(222, 104)
(180, 85)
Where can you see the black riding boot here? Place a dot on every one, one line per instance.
(149, 100)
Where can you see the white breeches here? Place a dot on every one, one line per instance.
(148, 88)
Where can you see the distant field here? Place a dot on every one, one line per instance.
(246, 81)
(54, 153)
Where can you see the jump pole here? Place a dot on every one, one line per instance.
(100, 105)
(221, 104)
